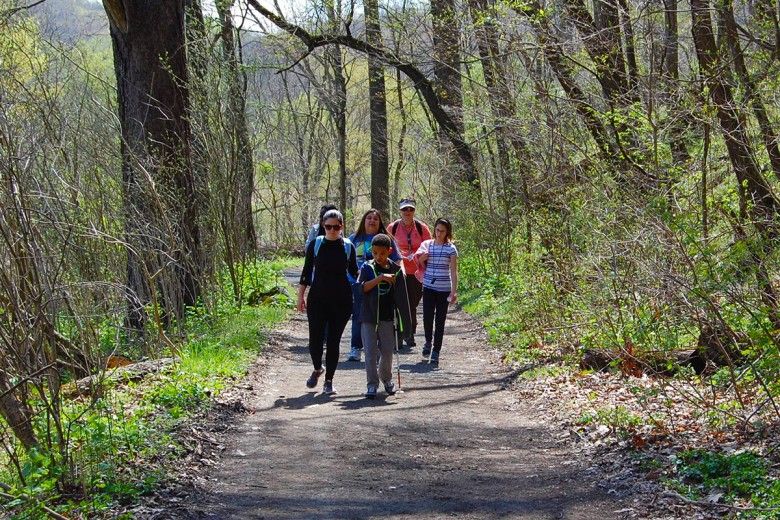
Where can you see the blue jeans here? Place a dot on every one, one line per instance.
(357, 302)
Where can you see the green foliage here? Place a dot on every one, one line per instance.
(618, 418)
(113, 439)
(738, 476)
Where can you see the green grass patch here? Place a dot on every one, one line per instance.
(738, 477)
(119, 444)
(619, 418)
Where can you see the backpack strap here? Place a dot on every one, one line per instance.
(417, 224)
(345, 242)
(347, 247)
(318, 244)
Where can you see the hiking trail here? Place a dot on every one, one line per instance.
(454, 443)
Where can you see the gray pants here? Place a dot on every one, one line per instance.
(383, 349)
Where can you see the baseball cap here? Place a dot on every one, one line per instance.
(406, 203)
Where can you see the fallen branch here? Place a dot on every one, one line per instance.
(134, 372)
(702, 503)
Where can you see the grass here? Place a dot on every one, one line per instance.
(122, 444)
(739, 477)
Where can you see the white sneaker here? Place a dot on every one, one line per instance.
(354, 354)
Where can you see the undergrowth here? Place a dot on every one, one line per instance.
(120, 438)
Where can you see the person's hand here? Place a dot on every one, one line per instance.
(386, 277)
(453, 297)
(301, 304)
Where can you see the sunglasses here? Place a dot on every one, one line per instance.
(330, 227)
(407, 209)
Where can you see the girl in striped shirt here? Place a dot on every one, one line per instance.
(439, 258)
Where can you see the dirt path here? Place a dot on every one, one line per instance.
(452, 444)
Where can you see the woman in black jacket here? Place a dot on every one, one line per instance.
(329, 269)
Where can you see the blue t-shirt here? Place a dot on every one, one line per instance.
(437, 268)
(363, 249)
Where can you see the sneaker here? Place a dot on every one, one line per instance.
(389, 387)
(354, 354)
(426, 351)
(314, 377)
(328, 389)
(371, 392)
(434, 357)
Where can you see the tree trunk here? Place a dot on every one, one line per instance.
(680, 155)
(762, 205)
(732, 123)
(380, 170)
(602, 43)
(560, 65)
(16, 414)
(161, 204)
(446, 70)
(242, 164)
(502, 106)
(751, 92)
(628, 31)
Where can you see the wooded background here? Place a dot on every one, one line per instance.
(610, 166)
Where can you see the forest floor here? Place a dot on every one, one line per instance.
(460, 440)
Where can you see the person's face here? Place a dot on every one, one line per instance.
(407, 213)
(372, 223)
(440, 233)
(381, 254)
(332, 228)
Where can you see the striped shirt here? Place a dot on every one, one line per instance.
(437, 268)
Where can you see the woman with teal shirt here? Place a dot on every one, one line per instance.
(370, 224)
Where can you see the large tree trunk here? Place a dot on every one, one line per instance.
(762, 205)
(380, 170)
(602, 40)
(241, 164)
(732, 122)
(446, 70)
(161, 204)
(751, 92)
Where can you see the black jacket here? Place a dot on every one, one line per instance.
(369, 308)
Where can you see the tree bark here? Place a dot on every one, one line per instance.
(762, 204)
(380, 169)
(628, 32)
(446, 69)
(559, 64)
(732, 123)
(161, 203)
(601, 39)
(751, 91)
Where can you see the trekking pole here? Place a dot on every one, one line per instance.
(397, 354)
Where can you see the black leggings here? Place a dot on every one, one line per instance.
(326, 318)
(435, 307)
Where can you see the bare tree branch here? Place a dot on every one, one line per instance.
(420, 82)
